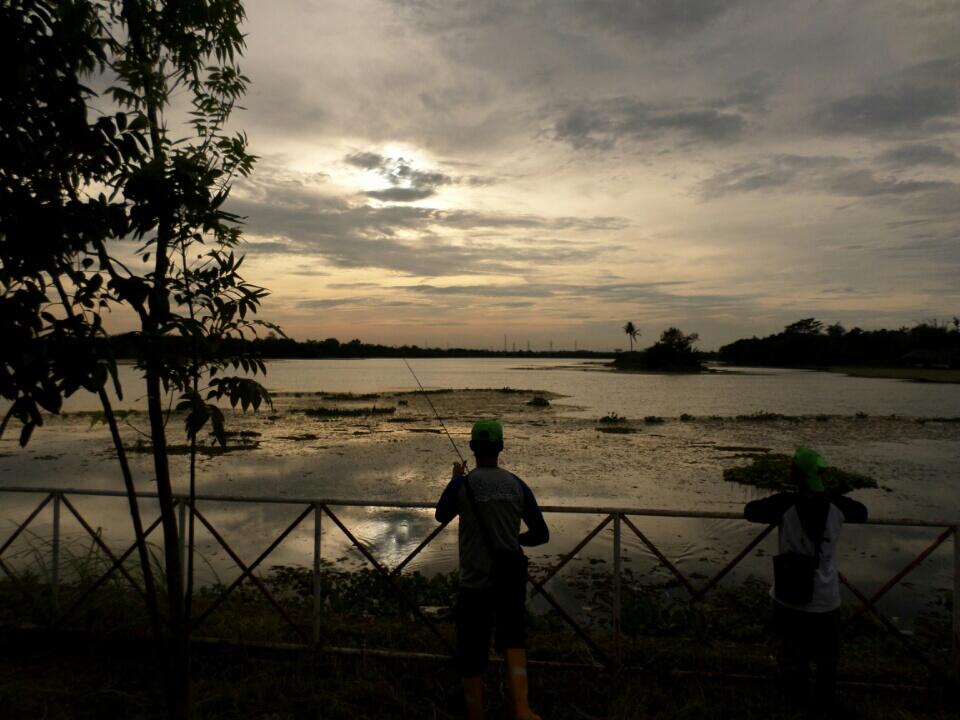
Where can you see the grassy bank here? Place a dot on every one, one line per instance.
(95, 682)
(706, 660)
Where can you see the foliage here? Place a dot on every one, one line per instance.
(772, 472)
(805, 344)
(612, 418)
(107, 203)
(673, 352)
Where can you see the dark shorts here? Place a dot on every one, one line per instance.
(477, 611)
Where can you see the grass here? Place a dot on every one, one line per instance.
(110, 671)
(325, 412)
(772, 472)
(687, 652)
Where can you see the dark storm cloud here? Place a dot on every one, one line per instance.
(621, 292)
(914, 154)
(400, 194)
(296, 221)
(832, 175)
(865, 184)
(650, 19)
(717, 121)
(769, 173)
(919, 98)
(408, 183)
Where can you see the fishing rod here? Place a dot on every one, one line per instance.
(440, 419)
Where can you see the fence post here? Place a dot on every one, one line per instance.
(182, 519)
(55, 553)
(616, 588)
(317, 589)
(956, 600)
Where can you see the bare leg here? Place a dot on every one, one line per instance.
(473, 694)
(516, 669)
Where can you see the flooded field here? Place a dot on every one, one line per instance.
(382, 442)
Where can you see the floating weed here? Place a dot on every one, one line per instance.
(326, 412)
(538, 401)
(653, 420)
(761, 416)
(773, 472)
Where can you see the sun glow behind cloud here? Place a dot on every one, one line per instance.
(467, 170)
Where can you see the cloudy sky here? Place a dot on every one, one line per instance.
(453, 172)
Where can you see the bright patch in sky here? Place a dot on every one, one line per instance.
(453, 172)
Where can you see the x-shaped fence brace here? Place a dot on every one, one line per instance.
(868, 604)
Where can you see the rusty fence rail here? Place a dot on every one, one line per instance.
(621, 519)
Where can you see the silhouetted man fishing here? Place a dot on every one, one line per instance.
(491, 502)
(806, 589)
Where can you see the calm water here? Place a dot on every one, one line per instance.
(592, 389)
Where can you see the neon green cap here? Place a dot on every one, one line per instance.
(487, 431)
(810, 463)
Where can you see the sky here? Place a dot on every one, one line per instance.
(481, 172)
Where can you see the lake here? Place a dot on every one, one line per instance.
(558, 450)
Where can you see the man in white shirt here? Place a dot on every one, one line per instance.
(806, 589)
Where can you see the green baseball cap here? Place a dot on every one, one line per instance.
(487, 431)
(810, 463)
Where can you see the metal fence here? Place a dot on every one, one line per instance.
(607, 653)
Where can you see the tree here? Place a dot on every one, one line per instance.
(631, 330)
(673, 351)
(74, 192)
(807, 326)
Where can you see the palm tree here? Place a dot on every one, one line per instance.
(631, 330)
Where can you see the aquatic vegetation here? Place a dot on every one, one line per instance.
(146, 448)
(762, 416)
(617, 429)
(772, 472)
(612, 418)
(348, 396)
(653, 420)
(687, 417)
(538, 401)
(299, 438)
(347, 412)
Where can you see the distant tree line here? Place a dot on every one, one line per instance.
(128, 345)
(808, 343)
